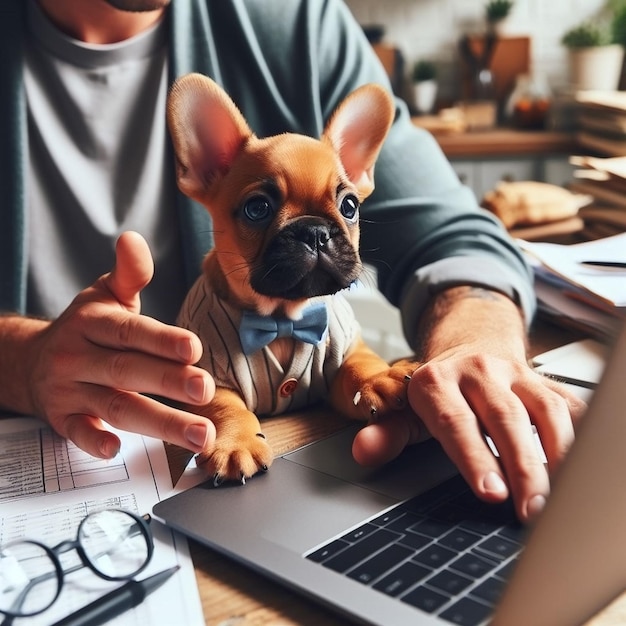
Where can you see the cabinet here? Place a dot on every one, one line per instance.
(484, 173)
(482, 159)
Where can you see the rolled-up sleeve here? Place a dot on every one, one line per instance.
(424, 232)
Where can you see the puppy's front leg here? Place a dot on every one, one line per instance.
(367, 387)
(240, 449)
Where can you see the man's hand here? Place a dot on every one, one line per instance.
(475, 380)
(94, 363)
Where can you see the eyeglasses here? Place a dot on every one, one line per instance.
(114, 544)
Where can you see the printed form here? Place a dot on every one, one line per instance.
(48, 485)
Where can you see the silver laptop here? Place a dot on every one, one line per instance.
(409, 544)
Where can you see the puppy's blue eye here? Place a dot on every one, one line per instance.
(349, 206)
(257, 208)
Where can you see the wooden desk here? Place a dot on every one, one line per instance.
(233, 595)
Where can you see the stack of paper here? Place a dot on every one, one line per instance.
(602, 121)
(604, 179)
(582, 285)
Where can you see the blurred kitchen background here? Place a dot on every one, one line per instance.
(520, 95)
(530, 110)
(432, 29)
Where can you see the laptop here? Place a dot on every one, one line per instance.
(409, 544)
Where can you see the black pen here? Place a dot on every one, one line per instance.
(605, 264)
(118, 601)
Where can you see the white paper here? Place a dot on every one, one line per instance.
(565, 262)
(48, 485)
(556, 302)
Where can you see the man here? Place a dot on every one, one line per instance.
(87, 158)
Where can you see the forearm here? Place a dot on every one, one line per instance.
(472, 319)
(17, 337)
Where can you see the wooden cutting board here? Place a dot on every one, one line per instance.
(510, 58)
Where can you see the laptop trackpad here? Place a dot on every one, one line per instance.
(418, 468)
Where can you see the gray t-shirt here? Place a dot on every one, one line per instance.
(98, 164)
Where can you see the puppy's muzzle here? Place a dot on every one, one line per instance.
(310, 257)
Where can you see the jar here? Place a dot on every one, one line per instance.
(529, 102)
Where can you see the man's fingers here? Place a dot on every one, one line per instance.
(458, 431)
(553, 415)
(90, 435)
(459, 407)
(379, 443)
(451, 420)
(98, 358)
(509, 424)
(575, 405)
(383, 441)
(133, 269)
(139, 372)
(136, 413)
(120, 330)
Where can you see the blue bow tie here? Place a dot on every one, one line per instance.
(256, 331)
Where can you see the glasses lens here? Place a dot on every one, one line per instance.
(115, 543)
(29, 578)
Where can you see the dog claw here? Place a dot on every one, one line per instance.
(243, 478)
(264, 467)
(357, 398)
(260, 435)
(407, 378)
(217, 480)
(373, 411)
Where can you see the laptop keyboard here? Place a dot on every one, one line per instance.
(444, 552)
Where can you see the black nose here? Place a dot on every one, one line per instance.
(314, 235)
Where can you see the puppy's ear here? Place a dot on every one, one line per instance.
(357, 130)
(207, 130)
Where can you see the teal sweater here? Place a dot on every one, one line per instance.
(287, 64)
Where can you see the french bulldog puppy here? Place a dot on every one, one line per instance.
(277, 333)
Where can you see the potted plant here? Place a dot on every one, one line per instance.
(424, 78)
(496, 14)
(586, 35)
(594, 55)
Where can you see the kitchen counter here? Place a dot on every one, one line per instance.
(506, 141)
(483, 158)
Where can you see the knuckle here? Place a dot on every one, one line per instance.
(119, 368)
(125, 329)
(428, 375)
(169, 425)
(172, 381)
(117, 408)
(527, 468)
(505, 410)
(447, 423)
(482, 363)
(553, 404)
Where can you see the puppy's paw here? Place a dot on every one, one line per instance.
(385, 392)
(236, 457)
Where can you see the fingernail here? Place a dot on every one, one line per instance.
(534, 506)
(196, 435)
(109, 448)
(196, 389)
(184, 349)
(493, 483)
